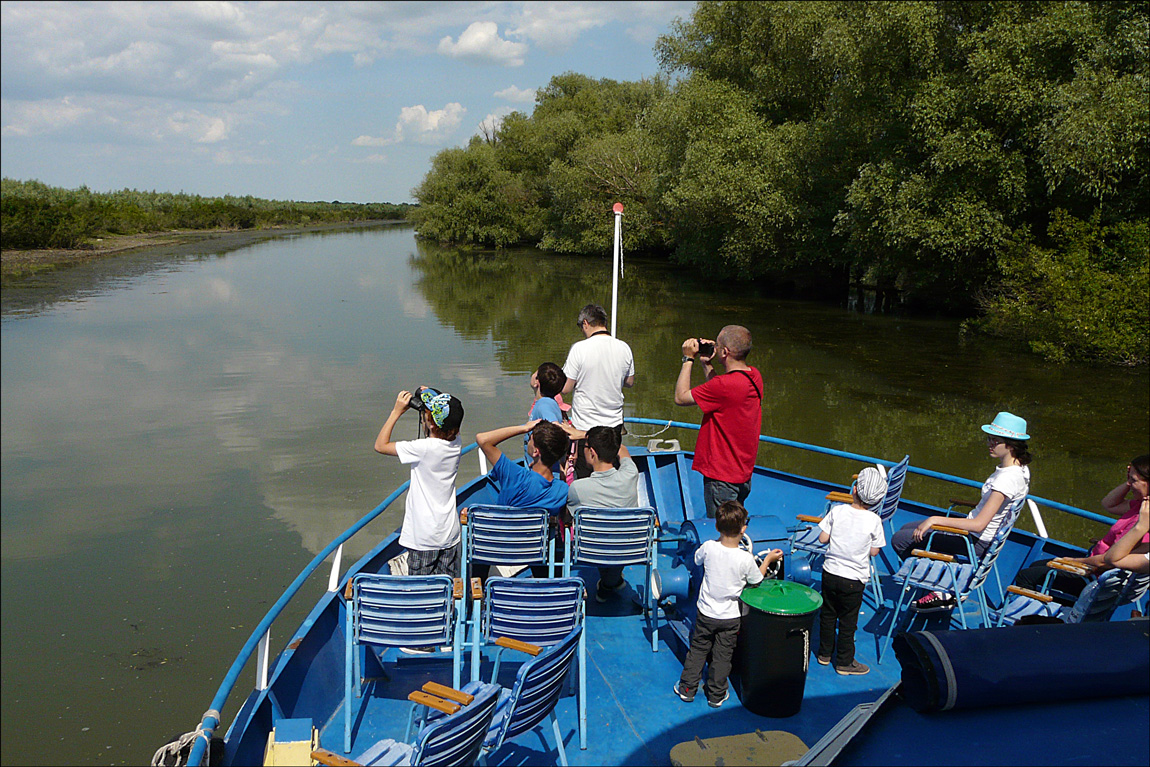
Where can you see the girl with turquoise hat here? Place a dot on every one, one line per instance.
(1006, 442)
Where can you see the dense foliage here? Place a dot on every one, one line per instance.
(980, 158)
(34, 215)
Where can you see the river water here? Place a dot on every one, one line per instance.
(182, 433)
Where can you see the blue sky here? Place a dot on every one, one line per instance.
(303, 101)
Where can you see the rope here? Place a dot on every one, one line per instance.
(652, 434)
(174, 753)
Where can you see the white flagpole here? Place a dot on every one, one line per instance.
(618, 208)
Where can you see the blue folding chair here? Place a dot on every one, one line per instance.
(964, 577)
(1097, 602)
(506, 535)
(394, 611)
(539, 611)
(538, 686)
(453, 736)
(617, 538)
(806, 537)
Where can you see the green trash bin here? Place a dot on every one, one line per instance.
(774, 646)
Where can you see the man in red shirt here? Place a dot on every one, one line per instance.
(732, 405)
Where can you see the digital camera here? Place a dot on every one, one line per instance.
(706, 348)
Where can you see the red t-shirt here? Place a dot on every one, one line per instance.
(732, 419)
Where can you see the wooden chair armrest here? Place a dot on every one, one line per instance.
(932, 555)
(476, 589)
(960, 502)
(1066, 567)
(347, 592)
(515, 644)
(463, 517)
(948, 529)
(457, 588)
(1028, 593)
(323, 756)
(808, 518)
(448, 693)
(840, 497)
(431, 701)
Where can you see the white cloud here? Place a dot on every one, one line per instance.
(33, 117)
(493, 121)
(372, 141)
(201, 128)
(481, 42)
(429, 127)
(556, 26)
(522, 95)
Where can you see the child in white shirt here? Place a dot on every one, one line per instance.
(726, 570)
(430, 531)
(854, 534)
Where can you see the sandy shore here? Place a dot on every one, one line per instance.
(18, 264)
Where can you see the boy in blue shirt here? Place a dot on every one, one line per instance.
(527, 487)
(547, 381)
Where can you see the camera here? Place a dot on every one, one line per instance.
(706, 348)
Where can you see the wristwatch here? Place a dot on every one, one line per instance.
(687, 358)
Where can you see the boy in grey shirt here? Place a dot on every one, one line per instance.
(613, 484)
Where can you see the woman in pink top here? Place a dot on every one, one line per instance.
(1125, 500)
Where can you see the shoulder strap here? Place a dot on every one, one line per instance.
(753, 384)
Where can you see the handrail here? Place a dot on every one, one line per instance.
(1093, 516)
(210, 722)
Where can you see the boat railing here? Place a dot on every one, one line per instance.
(260, 639)
(910, 469)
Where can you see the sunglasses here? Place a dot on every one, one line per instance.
(992, 441)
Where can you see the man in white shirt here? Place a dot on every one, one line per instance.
(598, 368)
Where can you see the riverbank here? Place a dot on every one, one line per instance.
(16, 265)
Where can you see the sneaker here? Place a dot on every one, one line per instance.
(854, 669)
(824, 660)
(603, 593)
(686, 697)
(935, 601)
(417, 650)
(720, 701)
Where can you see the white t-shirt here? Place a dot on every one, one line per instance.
(1011, 481)
(853, 533)
(429, 520)
(725, 572)
(598, 366)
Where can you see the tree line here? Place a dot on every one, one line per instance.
(986, 159)
(35, 215)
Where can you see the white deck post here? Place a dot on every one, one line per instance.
(333, 579)
(262, 661)
(618, 209)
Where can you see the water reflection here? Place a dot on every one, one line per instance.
(182, 433)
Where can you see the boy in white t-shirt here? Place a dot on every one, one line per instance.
(854, 534)
(430, 531)
(726, 570)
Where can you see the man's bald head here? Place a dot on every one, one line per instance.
(736, 339)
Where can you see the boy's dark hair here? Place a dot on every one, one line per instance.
(594, 315)
(551, 379)
(551, 441)
(730, 518)
(605, 442)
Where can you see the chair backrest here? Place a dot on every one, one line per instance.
(613, 537)
(986, 563)
(402, 610)
(895, 478)
(538, 685)
(1105, 594)
(505, 535)
(542, 611)
(456, 739)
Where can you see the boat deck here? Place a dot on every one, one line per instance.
(633, 717)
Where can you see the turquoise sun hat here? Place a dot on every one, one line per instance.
(1007, 425)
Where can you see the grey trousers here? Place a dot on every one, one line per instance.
(715, 638)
